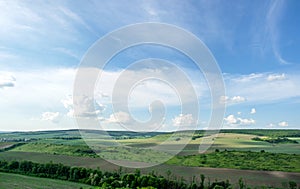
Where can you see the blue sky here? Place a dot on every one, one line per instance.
(256, 45)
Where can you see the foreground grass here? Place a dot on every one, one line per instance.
(12, 181)
(241, 160)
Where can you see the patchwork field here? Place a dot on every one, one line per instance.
(235, 150)
(252, 178)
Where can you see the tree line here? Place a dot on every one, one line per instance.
(117, 179)
(93, 177)
(277, 140)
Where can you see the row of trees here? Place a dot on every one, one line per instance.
(273, 133)
(275, 140)
(115, 179)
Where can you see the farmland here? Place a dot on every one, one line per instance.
(234, 150)
(15, 181)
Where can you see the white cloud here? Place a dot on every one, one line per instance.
(51, 116)
(68, 102)
(231, 119)
(184, 120)
(123, 120)
(232, 100)
(82, 106)
(7, 80)
(34, 92)
(271, 125)
(48, 89)
(42, 88)
(246, 121)
(154, 84)
(238, 99)
(253, 111)
(239, 113)
(259, 90)
(283, 124)
(276, 77)
(119, 117)
(236, 121)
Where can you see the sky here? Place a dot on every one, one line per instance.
(255, 44)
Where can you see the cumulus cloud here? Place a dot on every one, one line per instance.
(237, 99)
(231, 119)
(253, 111)
(236, 121)
(7, 80)
(82, 106)
(166, 84)
(283, 124)
(51, 116)
(232, 100)
(119, 117)
(126, 121)
(184, 120)
(276, 77)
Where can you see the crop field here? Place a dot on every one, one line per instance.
(235, 150)
(253, 178)
(222, 141)
(15, 181)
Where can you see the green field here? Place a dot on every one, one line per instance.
(236, 150)
(241, 160)
(253, 178)
(15, 181)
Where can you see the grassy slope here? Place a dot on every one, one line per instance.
(15, 181)
(113, 153)
(241, 160)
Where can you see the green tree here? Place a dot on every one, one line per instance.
(293, 185)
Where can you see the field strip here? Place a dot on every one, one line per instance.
(254, 178)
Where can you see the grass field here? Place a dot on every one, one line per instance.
(222, 141)
(68, 148)
(241, 160)
(15, 181)
(113, 153)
